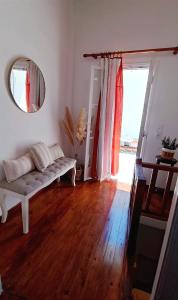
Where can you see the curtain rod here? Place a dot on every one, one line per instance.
(107, 54)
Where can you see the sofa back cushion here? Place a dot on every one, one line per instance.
(56, 151)
(41, 156)
(16, 168)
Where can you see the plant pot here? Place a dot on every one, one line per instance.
(79, 172)
(167, 153)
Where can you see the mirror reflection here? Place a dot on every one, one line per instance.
(27, 85)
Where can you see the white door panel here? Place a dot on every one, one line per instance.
(146, 110)
(95, 87)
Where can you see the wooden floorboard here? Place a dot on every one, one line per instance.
(76, 245)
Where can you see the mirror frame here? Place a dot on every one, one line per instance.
(9, 85)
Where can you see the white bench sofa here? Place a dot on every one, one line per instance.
(29, 184)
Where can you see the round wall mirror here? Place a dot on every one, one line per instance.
(27, 85)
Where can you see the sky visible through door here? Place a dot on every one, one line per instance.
(135, 82)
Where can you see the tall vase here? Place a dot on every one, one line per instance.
(79, 169)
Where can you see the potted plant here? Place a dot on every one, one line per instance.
(169, 147)
(76, 133)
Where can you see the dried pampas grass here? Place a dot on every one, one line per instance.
(68, 132)
(81, 126)
(69, 120)
(76, 133)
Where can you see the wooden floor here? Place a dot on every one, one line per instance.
(76, 245)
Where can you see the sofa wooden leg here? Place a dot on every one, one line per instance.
(73, 175)
(25, 215)
(3, 209)
(58, 179)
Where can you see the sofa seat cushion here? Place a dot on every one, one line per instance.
(63, 164)
(32, 181)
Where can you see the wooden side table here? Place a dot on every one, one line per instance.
(160, 159)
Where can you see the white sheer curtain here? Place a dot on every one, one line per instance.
(36, 87)
(110, 67)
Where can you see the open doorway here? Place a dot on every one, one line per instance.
(135, 83)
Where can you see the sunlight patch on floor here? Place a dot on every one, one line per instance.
(126, 169)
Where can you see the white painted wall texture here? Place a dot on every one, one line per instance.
(104, 25)
(163, 113)
(42, 31)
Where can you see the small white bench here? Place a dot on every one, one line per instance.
(29, 184)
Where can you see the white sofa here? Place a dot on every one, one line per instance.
(29, 184)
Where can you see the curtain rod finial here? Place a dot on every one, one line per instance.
(175, 51)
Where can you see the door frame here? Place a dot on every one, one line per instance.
(94, 66)
(150, 65)
(147, 110)
(143, 133)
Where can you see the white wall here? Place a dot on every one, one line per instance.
(105, 25)
(42, 31)
(163, 111)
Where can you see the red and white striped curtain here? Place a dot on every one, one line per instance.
(109, 119)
